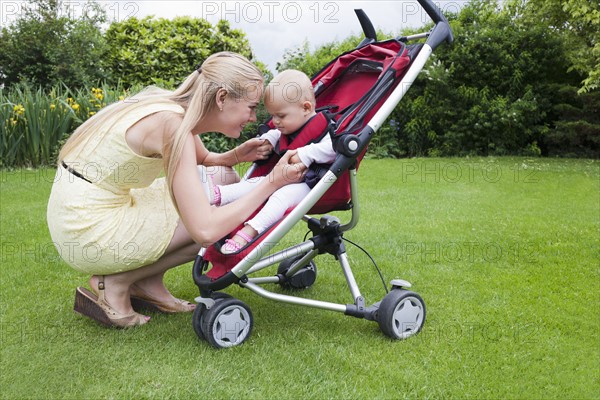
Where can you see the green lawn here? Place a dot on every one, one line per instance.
(505, 253)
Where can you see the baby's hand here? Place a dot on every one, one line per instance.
(252, 150)
(265, 148)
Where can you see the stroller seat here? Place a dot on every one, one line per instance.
(348, 91)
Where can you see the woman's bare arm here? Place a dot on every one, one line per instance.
(251, 150)
(207, 224)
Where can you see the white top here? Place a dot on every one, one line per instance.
(321, 152)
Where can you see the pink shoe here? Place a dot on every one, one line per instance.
(231, 246)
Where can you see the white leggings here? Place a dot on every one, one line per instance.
(284, 198)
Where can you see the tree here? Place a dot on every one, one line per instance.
(311, 62)
(503, 81)
(47, 46)
(579, 23)
(163, 52)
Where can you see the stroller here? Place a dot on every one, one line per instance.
(357, 92)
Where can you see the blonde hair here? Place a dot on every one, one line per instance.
(196, 95)
(292, 86)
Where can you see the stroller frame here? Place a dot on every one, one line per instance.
(224, 321)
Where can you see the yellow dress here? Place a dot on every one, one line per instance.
(124, 218)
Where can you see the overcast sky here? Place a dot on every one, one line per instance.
(271, 26)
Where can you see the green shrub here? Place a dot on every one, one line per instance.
(495, 91)
(311, 62)
(577, 127)
(163, 52)
(34, 123)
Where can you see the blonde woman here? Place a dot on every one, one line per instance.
(112, 217)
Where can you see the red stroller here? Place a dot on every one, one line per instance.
(357, 92)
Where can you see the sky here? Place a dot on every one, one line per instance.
(272, 27)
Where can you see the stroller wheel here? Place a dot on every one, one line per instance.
(201, 309)
(401, 314)
(302, 279)
(228, 323)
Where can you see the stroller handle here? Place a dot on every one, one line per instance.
(367, 27)
(433, 11)
(349, 147)
(441, 32)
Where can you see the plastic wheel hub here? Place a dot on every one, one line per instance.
(231, 326)
(408, 317)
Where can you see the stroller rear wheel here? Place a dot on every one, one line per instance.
(401, 314)
(302, 279)
(228, 323)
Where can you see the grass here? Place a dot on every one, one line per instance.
(505, 253)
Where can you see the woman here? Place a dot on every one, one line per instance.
(110, 217)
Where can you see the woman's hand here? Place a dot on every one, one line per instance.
(252, 150)
(295, 159)
(286, 172)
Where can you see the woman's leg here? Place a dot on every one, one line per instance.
(149, 278)
(182, 249)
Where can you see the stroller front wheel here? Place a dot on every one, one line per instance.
(197, 317)
(228, 323)
(401, 314)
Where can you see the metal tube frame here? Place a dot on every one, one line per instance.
(307, 249)
(248, 265)
(417, 36)
(324, 305)
(282, 255)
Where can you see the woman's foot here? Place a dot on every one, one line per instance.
(141, 299)
(241, 239)
(115, 292)
(100, 310)
(151, 294)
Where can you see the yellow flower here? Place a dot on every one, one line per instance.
(52, 107)
(75, 106)
(19, 109)
(98, 93)
(121, 98)
(91, 113)
(13, 121)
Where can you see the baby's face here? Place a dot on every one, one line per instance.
(288, 116)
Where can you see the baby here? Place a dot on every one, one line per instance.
(290, 100)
